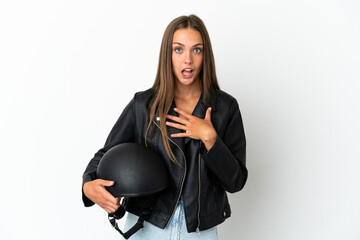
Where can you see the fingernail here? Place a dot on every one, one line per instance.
(210, 108)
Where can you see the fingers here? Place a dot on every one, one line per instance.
(208, 114)
(180, 135)
(195, 127)
(97, 192)
(108, 202)
(178, 110)
(109, 206)
(110, 210)
(105, 183)
(175, 125)
(177, 119)
(108, 198)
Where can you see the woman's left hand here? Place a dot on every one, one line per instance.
(194, 127)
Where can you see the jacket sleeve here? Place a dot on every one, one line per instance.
(122, 131)
(227, 157)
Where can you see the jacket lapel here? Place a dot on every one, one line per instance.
(171, 130)
(199, 111)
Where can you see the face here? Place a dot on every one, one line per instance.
(187, 56)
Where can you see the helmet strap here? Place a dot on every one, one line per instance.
(118, 214)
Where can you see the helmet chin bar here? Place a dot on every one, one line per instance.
(119, 213)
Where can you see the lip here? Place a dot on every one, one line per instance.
(188, 75)
(187, 68)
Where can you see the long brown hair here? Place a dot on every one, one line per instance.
(164, 84)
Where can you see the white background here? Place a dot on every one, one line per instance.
(68, 68)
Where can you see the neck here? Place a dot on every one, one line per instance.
(188, 91)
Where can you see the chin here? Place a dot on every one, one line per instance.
(186, 81)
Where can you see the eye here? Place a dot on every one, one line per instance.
(197, 50)
(177, 50)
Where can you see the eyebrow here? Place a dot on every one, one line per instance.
(184, 45)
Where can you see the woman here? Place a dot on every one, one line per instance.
(194, 126)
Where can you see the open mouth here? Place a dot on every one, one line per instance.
(187, 72)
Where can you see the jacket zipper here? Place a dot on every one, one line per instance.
(198, 226)
(183, 180)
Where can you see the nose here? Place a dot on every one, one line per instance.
(188, 57)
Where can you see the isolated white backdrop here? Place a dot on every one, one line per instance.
(68, 68)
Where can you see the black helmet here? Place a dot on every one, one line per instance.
(138, 172)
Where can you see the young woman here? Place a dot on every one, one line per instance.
(194, 126)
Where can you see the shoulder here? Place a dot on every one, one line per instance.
(224, 96)
(142, 100)
(144, 95)
(224, 100)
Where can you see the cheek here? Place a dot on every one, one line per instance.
(175, 63)
(174, 69)
(199, 61)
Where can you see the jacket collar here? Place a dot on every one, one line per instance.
(199, 111)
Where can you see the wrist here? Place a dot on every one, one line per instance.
(209, 140)
(86, 186)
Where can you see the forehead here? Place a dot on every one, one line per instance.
(187, 36)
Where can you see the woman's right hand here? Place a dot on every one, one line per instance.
(96, 192)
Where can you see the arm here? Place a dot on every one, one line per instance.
(123, 131)
(227, 157)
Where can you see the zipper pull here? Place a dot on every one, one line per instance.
(198, 231)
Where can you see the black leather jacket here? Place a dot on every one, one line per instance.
(203, 177)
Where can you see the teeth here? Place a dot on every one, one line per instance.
(187, 70)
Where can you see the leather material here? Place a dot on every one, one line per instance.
(137, 170)
(203, 177)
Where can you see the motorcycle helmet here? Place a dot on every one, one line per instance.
(138, 172)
